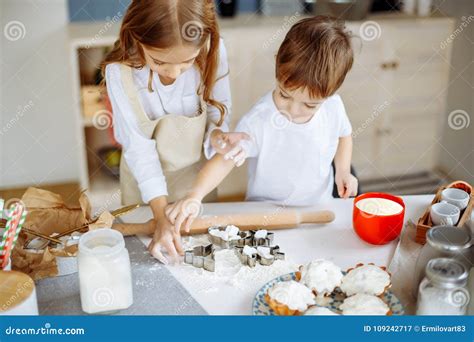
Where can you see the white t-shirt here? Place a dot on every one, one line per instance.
(289, 163)
(178, 98)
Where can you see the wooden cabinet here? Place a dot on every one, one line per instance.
(413, 75)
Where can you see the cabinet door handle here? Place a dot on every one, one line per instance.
(390, 65)
(383, 131)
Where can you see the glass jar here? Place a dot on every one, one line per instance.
(443, 242)
(104, 272)
(443, 290)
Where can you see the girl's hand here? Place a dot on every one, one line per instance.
(346, 185)
(165, 237)
(183, 212)
(227, 144)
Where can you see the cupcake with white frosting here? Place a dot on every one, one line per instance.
(367, 279)
(364, 304)
(321, 276)
(289, 298)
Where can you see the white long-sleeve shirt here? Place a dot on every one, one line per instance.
(179, 98)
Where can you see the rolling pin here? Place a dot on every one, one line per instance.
(278, 219)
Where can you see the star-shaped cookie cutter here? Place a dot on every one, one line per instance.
(251, 260)
(201, 257)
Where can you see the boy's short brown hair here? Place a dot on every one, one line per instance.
(316, 54)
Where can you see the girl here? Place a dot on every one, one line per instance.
(167, 80)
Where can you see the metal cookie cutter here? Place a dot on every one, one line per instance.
(254, 258)
(251, 240)
(218, 241)
(201, 256)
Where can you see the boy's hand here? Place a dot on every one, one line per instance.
(237, 155)
(166, 237)
(228, 144)
(183, 212)
(346, 185)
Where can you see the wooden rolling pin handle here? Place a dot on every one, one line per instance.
(288, 219)
(323, 216)
(128, 229)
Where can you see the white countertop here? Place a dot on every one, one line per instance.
(335, 241)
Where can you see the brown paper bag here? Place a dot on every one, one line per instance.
(48, 214)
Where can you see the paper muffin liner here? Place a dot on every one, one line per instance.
(279, 308)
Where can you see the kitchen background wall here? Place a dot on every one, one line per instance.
(86, 10)
(41, 137)
(456, 154)
(37, 137)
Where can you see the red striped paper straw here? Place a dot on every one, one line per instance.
(20, 225)
(13, 219)
(10, 214)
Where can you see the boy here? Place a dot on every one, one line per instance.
(297, 130)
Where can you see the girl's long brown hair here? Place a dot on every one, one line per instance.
(163, 24)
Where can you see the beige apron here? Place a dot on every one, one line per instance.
(179, 144)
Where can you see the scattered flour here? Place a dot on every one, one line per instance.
(249, 251)
(261, 234)
(229, 270)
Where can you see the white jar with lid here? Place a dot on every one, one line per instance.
(442, 242)
(104, 272)
(443, 290)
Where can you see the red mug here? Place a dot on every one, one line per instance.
(377, 229)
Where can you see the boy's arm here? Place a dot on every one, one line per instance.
(346, 183)
(342, 159)
(184, 211)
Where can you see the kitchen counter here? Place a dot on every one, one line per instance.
(183, 289)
